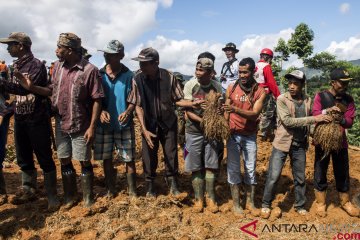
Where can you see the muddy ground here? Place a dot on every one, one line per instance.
(167, 218)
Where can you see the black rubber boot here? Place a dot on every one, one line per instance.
(2, 183)
(87, 183)
(110, 177)
(173, 184)
(3, 196)
(198, 186)
(236, 193)
(50, 186)
(250, 197)
(150, 192)
(131, 180)
(70, 188)
(28, 194)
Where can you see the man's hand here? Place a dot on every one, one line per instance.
(89, 135)
(333, 109)
(220, 110)
(105, 117)
(24, 80)
(228, 108)
(123, 117)
(197, 103)
(204, 105)
(148, 135)
(323, 118)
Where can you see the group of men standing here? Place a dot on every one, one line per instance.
(95, 108)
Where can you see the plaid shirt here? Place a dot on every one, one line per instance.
(157, 97)
(73, 93)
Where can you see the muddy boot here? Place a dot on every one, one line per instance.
(131, 180)
(211, 204)
(28, 194)
(110, 178)
(174, 190)
(321, 203)
(347, 205)
(236, 193)
(150, 192)
(250, 196)
(198, 186)
(70, 188)
(87, 184)
(50, 186)
(3, 196)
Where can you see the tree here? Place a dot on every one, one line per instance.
(323, 61)
(283, 51)
(300, 41)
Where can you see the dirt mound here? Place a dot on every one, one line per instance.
(167, 218)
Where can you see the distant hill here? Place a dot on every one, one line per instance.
(355, 62)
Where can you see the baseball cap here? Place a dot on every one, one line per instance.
(19, 37)
(296, 74)
(230, 46)
(114, 46)
(70, 40)
(340, 74)
(205, 63)
(147, 54)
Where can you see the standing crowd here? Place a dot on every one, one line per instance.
(94, 109)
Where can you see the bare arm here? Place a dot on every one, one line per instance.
(27, 84)
(147, 134)
(192, 116)
(90, 132)
(247, 114)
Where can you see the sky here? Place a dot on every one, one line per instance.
(181, 29)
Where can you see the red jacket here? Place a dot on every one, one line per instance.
(270, 82)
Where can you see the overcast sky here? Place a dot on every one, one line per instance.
(181, 29)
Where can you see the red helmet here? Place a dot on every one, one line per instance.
(267, 51)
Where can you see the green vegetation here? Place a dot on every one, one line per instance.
(300, 45)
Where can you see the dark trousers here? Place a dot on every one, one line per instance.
(340, 161)
(168, 140)
(298, 164)
(32, 138)
(3, 138)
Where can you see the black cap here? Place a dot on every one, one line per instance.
(230, 46)
(340, 74)
(147, 54)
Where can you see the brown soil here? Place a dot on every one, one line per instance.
(168, 218)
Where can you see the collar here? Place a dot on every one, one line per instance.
(80, 65)
(305, 98)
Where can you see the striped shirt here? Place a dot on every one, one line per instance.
(157, 97)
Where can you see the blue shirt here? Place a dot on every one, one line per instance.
(116, 97)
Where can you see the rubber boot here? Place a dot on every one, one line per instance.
(28, 193)
(131, 180)
(87, 184)
(150, 192)
(172, 182)
(250, 196)
(211, 204)
(110, 177)
(352, 210)
(3, 196)
(236, 193)
(321, 203)
(70, 188)
(50, 187)
(198, 186)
